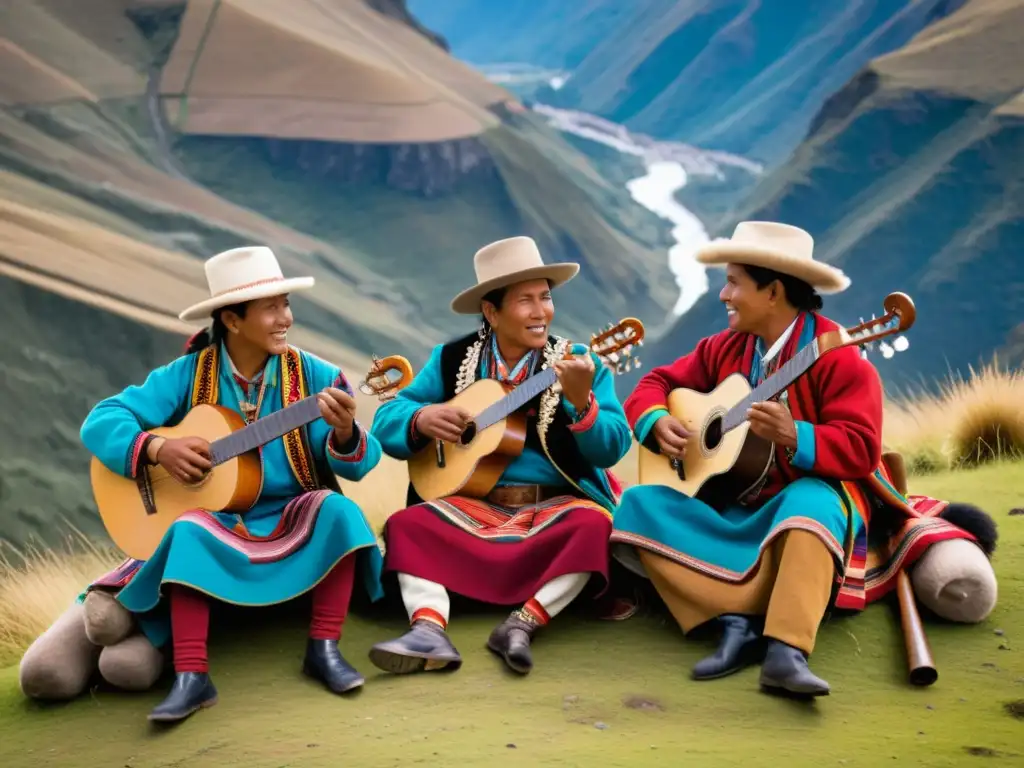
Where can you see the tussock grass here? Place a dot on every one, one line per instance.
(971, 421)
(37, 585)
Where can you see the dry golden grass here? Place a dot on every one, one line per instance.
(973, 420)
(37, 585)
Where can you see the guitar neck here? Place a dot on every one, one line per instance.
(264, 430)
(516, 399)
(796, 367)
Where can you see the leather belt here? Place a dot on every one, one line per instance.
(521, 495)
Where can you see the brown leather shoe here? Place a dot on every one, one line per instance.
(511, 641)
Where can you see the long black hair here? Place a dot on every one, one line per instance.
(217, 331)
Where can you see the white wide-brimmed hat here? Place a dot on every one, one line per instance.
(781, 247)
(505, 263)
(243, 274)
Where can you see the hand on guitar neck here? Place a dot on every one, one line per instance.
(576, 375)
(338, 409)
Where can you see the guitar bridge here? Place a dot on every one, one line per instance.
(439, 448)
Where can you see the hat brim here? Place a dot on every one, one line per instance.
(468, 302)
(204, 309)
(823, 278)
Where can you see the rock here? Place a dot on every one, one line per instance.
(601, 726)
(997, 632)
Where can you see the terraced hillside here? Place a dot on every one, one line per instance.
(368, 158)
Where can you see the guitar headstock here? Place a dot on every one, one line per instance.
(386, 376)
(614, 345)
(899, 316)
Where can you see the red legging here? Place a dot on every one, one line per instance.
(190, 615)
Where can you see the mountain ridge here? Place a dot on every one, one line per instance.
(913, 183)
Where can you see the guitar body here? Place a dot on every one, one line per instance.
(231, 486)
(473, 466)
(717, 470)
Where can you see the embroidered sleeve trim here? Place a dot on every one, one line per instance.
(353, 450)
(589, 416)
(137, 453)
(416, 440)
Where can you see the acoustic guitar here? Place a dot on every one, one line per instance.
(137, 513)
(496, 433)
(724, 460)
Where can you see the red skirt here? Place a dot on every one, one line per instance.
(497, 555)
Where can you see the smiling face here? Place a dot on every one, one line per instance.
(523, 320)
(264, 325)
(750, 308)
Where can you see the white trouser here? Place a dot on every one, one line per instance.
(553, 597)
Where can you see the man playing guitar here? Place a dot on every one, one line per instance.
(541, 529)
(764, 566)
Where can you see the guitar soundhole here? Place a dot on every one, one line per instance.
(468, 434)
(713, 434)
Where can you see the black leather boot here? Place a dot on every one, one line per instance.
(191, 691)
(741, 645)
(425, 647)
(785, 668)
(511, 641)
(325, 663)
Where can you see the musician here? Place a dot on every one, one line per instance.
(537, 538)
(767, 566)
(300, 536)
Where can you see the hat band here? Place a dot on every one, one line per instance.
(246, 286)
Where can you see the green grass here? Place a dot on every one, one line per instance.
(601, 694)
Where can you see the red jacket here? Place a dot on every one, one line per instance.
(839, 400)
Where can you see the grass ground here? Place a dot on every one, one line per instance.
(601, 693)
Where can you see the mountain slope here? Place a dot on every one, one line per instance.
(742, 76)
(121, 171)
(545, 33)
(913, 180)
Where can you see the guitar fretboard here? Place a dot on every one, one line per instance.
(262, 431)
(793, 369)
(515, 399)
